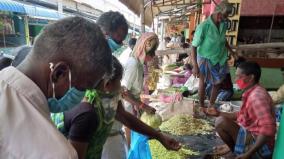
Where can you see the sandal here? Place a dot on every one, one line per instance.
(221, 150)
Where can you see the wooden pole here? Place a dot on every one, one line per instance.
(172, 51)
(142, 16)
(260, 46)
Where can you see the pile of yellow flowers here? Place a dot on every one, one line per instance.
(186, 125)
(158, 151)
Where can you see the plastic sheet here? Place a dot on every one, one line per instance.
(139, 147)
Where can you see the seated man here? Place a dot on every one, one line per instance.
(225, 92)
(181, 79)
(250, 133)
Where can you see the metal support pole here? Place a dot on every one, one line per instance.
(271, 26)
(60, 6)
(142, 16)
(152, 16)
(163, 30)
(134, 27)
(27, 31)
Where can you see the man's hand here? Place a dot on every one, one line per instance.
(169, 143)
(244, 156)
(231, 52)
(195, 70)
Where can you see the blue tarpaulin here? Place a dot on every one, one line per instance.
(40, 12)
(12, 6)
(30, 10)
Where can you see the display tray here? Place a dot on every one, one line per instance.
(202, 143)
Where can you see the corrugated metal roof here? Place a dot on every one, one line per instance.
(156, 7)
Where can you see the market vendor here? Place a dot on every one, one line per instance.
(181, 79)
(209, 52)
(163, 44)
(226, 90)
(168, 44)
(91, 126)
(251, 131)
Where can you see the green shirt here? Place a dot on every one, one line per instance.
(211, 41)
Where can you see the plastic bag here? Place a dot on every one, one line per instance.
(167, 111)
(139, 148)
(192, 84)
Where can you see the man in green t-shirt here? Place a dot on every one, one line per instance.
(210, 51)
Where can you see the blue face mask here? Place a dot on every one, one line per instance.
(71, 98)
(113, 45)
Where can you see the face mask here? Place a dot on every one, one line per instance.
(113, 45)
(241, 84)
(110, 107)
(71, 98)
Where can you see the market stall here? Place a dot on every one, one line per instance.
(175, 97)
(177, 105)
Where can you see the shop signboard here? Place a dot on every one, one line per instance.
(37, 21)
(233, 22)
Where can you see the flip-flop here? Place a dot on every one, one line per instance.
(221, 150)
(217, 152)
(210, 156)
